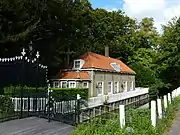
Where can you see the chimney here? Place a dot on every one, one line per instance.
(107, 51)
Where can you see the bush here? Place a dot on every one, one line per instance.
(6, 105)
(58, 93)
(70, 92)
(15, 91)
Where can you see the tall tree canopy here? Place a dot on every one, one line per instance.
(55, 27)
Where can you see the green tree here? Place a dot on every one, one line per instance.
(170, 49)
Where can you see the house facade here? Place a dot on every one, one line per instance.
(102, 75)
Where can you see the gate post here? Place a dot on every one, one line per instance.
(49, 98)
(22, 77)
(78, 108)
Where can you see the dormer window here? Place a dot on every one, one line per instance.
(77, 64)
(116, 66)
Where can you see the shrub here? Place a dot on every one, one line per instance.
(58, 93)
(70, 92)
(15, 91)
(6, 105)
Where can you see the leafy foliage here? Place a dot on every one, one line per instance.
(140, 123)
(15, 91)
(58, 93)
(56, 26)
(69, 92)
(6, 106)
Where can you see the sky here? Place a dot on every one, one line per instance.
(161, 10)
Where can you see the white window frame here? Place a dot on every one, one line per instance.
(85, 83)
(125, 86)
(70, 82)
(54, 84)
(117, 68)
(117, 89)
(75, 64)
(102, 91)
(64, 82)
(111, 87)
(132, 85)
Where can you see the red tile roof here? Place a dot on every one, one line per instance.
(74, 75)
(97, 61)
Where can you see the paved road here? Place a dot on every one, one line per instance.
(34, 126)
(175, 128)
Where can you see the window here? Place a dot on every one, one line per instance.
(56, 84)
(116, 87)
(125, 86)
(85, 85)
(77, 64)
(132, 85)
(100, 88)
(110, 87)
(63, 84)
(116, 67)
(72, 84)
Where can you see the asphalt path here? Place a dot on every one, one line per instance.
(34, 126)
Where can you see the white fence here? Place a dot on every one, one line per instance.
(167, 99)
(69, 106)
(30, 103)
(97, 101)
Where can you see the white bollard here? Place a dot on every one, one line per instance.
(165, 102)
(153, 113)
(173, 94)
(169, 98)
(122, 115)
(176, 92)
(159, 104)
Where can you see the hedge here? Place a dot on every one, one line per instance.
(15, 91)
(70, 92)
(58, 93)
(6, 105)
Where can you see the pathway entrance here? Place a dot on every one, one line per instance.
(34, 126)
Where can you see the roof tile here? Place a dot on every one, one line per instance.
(73, 75)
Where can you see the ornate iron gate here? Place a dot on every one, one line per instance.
(61, 108)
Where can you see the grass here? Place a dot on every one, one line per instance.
(138, 119)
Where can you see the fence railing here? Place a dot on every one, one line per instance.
(97, 101)
(29, 104)
(158, 110)
(128, 94)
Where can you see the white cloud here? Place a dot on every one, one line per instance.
(113, 9)
(161, 10)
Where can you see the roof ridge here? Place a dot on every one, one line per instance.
(91, 63)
